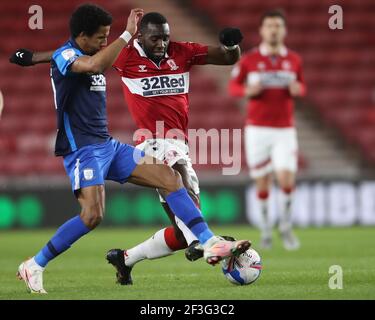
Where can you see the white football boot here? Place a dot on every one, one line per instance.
(32, 273)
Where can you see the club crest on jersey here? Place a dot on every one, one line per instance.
(88, 174)
(286, 65)
(142, 68)
(261, 66)
(172, 64)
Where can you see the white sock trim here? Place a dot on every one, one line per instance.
(153, 248)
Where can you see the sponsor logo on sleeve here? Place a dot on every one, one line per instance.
(68, 54)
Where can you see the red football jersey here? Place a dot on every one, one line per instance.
(274, 107)
(159, 92)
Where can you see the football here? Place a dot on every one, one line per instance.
(244, 269)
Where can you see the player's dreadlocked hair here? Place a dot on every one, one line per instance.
(275, 13)
(87, 18)
(151, 17)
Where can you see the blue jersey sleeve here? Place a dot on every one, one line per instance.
(64, 58)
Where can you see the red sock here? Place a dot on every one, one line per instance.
(263, 195)
(171, 240)
(288, 190)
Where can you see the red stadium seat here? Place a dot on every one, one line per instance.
(339, 69)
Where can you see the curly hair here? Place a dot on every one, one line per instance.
(87, 18)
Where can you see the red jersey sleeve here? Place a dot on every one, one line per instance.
(120, 62)
(236, 86)
(195, 53)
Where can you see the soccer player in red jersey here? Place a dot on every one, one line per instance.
(155, 76)
(270, 76)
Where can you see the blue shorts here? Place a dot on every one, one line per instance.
(92, 164)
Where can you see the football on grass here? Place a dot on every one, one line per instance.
(244, 269)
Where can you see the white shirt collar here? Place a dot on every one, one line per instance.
(141, 52)
(265, 52)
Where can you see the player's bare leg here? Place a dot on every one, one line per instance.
(262, 189)
(286, 181)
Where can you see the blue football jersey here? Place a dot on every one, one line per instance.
(80, 101)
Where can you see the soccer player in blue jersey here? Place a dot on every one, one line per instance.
(92, 156)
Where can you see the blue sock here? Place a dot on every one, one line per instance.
(64, 237)
(184, 208)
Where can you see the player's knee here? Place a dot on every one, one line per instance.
(287, 185)
(92, 215)
(172, 180)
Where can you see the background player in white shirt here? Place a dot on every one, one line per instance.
(270, 76)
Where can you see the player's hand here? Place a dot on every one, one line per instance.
(22, 57)
(230, 37)
(134, 17)
(253, 90)
(295, 89)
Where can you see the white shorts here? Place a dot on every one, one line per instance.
(171, 151)
(270, 149)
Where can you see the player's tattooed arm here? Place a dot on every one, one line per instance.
(25, 57)
(229, 52)
(105, 58)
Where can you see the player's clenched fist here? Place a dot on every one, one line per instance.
(135, 15)
(230, 37)
(22, 57)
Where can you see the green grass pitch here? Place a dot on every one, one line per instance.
(82, 272)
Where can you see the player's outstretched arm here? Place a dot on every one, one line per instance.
(229, 52)
(100, 61)
(26, 58)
